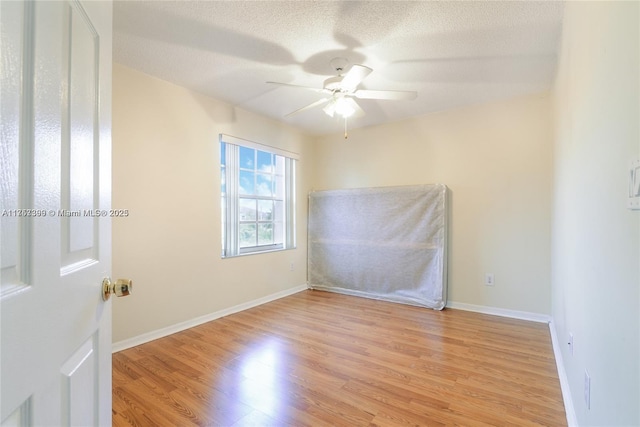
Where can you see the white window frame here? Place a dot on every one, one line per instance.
(230, 173)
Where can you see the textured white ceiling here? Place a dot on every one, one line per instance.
(452, 53)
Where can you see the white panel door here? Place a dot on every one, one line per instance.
(55, 158)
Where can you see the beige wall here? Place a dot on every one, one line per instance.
(596, 239)
(496, 161)
(166, 172)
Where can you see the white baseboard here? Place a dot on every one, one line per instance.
(515, 314)
(163, 332)
(569, 410)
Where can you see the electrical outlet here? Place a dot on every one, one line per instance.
(587, 389)
(570, 344)
(291, 267)
(489, 280)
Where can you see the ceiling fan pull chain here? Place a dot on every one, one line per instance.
(345, 128)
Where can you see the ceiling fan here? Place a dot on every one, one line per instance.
(343, 88)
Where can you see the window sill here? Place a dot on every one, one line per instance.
(258, 252)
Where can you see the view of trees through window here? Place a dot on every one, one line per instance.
(261, 190)
(256, 208)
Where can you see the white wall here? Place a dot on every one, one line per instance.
(496, 160)
(166, 172)
(596, 239)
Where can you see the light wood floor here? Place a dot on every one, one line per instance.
(319, 358)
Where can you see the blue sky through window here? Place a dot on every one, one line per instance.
(247, 157)
(258, 197)
(265, 162)
(247, 183)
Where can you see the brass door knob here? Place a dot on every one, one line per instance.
(122, 288)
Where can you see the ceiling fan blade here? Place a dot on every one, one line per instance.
(310, 106)
(385, 94)
(354, 76)
(313, 89)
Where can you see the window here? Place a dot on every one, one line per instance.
(258, 203)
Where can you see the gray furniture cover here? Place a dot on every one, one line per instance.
(387, 243)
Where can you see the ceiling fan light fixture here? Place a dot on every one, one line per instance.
(340, 106)
(330, 108)
(344, 107)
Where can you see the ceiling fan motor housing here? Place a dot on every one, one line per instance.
(333, 83)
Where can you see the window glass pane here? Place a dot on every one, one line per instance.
(223, 180)
(247, 209)
(247, 180)
(265, 162)
(247, 235)
(265, 234)
(223, 155)
(278, 211)
(264, 185)
(247, 158)
(279, 165)
(279, 187)
(278, 233)
(265, 210)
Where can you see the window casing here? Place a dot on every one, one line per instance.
(258, 197)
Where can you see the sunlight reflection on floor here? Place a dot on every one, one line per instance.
(262, 389)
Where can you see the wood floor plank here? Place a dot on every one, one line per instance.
(319, 358)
